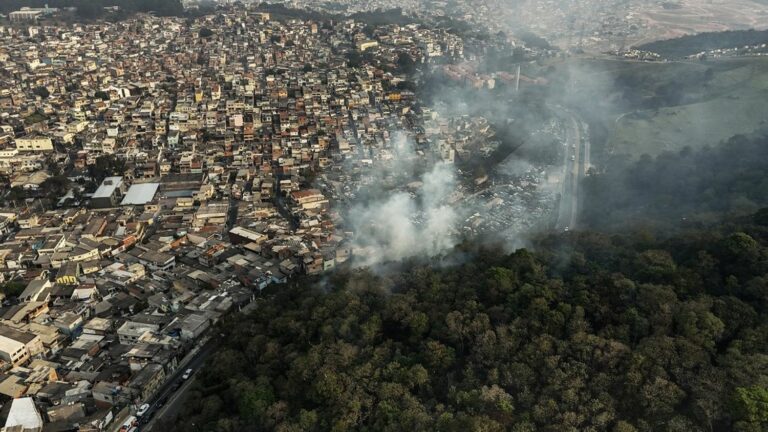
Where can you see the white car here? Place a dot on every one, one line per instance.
(142, 410)
(187, 374)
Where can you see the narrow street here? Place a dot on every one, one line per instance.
(168, 400)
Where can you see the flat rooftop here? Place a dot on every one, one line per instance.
(107, 187)
(140, 194)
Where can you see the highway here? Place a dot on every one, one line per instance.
(575, 166)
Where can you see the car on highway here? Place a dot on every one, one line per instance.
(187, 374)
(142, 410)
(131, 424)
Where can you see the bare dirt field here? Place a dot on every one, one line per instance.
(699, 16)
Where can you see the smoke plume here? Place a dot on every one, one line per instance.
(413, 220)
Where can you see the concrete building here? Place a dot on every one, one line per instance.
(109, 194)
(35, 143)
(26, 14)
(107, 394)
(130, 332)
(147, 381)
(140, 194)
(309, 199)
(366, 45)
(16, 347)
(69, 273)
(193, 326)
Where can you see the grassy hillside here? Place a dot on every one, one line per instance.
(635, 108)
(731, 100)
(696, 125)
(694, 44)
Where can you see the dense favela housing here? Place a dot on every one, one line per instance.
(160, 172)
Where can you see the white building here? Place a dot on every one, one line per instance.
(24, 416)
(26, 14)
(13, 352)
(130, 332)
(16, 347)
(37, 144)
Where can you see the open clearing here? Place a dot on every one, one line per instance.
(700, 16)
(734, 101)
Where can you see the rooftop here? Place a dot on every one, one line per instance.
(24, 413)
(107, 187)
(140, 194)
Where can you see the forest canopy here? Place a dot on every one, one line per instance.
(592, 332)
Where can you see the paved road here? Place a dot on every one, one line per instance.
(173, 391)
(576, 163)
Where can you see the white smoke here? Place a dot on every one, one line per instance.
(514, 166)
(406, 224)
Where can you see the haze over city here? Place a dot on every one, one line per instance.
(427, 215)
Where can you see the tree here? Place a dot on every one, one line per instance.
(89, 9)
(42, 92)
(205, 33)
(761, 217)
(105, 166)
(17, 194)
(749, 407)
(253, 399)
(54, 187)
(12, 288)
(354, 59)
(405, 63)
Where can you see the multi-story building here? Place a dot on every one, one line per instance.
(34, 144)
